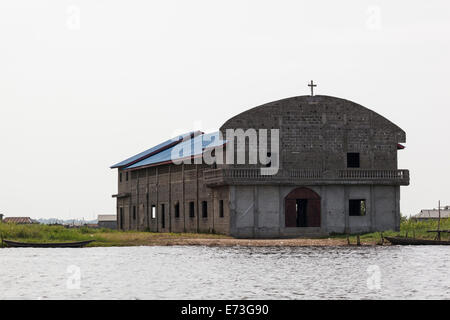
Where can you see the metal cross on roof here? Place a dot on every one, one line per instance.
(312, 85)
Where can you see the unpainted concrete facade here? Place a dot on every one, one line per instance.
(171, 198)
(259, 211)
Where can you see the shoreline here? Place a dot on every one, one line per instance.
(218, 241)
(233, 242)
(114, 238)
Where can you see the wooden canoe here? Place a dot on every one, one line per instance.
(15, 244)
(415, 242)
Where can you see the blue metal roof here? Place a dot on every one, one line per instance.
(154, 150)
(185, 149)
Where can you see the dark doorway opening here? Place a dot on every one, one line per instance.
(191, 209)
(121, 218)
(163, 217)
(221, 208)
(177, 210)
(204, 209)
(301, 207)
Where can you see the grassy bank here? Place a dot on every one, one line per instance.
(409, 228)
(106, 237)
(102, 237)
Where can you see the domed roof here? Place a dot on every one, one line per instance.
(311, 110)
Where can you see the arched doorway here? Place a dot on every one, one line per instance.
(302, 208)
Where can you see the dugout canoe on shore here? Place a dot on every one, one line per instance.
(415, 242)
(15, 244)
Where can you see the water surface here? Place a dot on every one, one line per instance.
(193, 272)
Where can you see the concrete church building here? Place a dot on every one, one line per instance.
(337, 173)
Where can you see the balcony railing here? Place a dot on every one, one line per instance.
(373, 174)
(311, 176)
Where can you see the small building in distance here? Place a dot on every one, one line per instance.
(91, 225)
(19, 220)
(107, 221)
(432, 214)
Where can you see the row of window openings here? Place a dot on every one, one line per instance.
(352, 162)
(177, 210)
(356, 208)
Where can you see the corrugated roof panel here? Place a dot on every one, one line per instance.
(18, 220)
(183, 150)
(155, 149)
(433, 213)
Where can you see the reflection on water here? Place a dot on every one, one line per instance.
(226, 273)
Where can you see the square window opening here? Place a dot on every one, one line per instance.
(357, 207)
(353, 160)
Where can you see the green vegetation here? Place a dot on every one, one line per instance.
(408, 228)
(107, 237)
(102, 237)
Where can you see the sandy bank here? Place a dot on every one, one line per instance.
(230, 242)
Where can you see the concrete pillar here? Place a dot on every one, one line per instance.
(232, 210)
(397, 208)
(183, 198)
(170, 199)
(281, 218)
(197, 206)
(157, 199)
(372, 212)
(346, 215)
(138, 204)
(255, 211)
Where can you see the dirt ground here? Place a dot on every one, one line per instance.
(298, 242)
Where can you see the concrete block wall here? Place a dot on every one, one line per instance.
(164, 187)
(318, 132)
(259, 211)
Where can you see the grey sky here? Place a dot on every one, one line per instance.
(85, 84)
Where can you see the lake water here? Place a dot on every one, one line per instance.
(184, 272)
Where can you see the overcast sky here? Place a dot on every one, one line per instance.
(85, 84)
